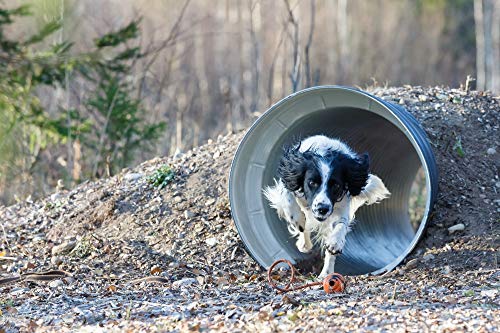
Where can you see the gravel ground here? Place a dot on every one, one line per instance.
(109, 232)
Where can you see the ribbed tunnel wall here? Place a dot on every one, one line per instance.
(384, 233)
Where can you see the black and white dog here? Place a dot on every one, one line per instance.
(321, 185)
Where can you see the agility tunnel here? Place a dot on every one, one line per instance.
(400, 153)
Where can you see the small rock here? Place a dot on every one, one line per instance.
(491, 151)
(63, 248)
(18, 291)
(209, 202)
(456, 227)
(446, 270)
(188, 214)
(184, 282)
(174, 264)
(412, 264)
(497, 184)
(489, 293)
(177, 199)
(55, 260)
(56, 196)
(211, 241)
(192, 306)
(69, 280)
(423, 98)
(216, 155)
(132, 177)
(231, 313)
(176, 316)
(60, 185)
(428, 256)
(78, 310)
(56, 283)
(92, 318)
(266, 308)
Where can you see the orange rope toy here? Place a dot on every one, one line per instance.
(332, 283)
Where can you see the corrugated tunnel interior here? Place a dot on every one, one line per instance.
(385, 228)
(383, 233)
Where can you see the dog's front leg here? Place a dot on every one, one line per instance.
(335, 235)
(328, 265)
(304, 243)
(333, 247)
(336, 241)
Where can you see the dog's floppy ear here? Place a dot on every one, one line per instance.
(292, 169)
(356, 173)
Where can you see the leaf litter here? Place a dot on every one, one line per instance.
(176, 224)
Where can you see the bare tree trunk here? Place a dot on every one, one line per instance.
(295, 71)
(241, 60)
(307, 49)
(343, 36)
(196, 134)
(488, 7)
(284, 71)
(272, 67)
(487, 22)
(226, 93)
(178, 130)
(255, 61)
(203, 106)
(181, 106)
(480, 63)
(495, 36)
(77, 167)
(69, 143)
(268, 42)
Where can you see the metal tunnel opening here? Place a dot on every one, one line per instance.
(387, 228)
(400, 154)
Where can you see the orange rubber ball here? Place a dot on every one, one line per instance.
(334, 283)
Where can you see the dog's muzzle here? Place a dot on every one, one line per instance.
(322, 211)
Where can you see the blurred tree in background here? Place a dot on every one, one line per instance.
(107, 128)
(87, 102)
(25, 127)
(117, 125)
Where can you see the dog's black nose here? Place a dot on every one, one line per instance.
(323, 209)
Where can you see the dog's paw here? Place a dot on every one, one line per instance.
(303, 244)
(335, 246)
(334, 250)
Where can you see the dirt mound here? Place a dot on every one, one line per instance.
(125, 227)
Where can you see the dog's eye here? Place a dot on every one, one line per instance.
(312, 183)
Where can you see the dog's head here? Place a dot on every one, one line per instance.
(323, 179)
